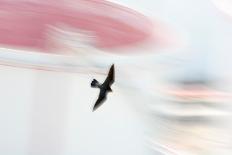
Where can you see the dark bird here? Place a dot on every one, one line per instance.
(104, 88)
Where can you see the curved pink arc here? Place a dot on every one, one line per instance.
(25, 23)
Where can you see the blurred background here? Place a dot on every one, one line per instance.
(173, 85)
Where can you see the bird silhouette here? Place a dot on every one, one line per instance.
(104, 88)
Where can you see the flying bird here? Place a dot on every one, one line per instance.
(104, 88)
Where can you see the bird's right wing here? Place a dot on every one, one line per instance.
(110, 78)
(100, 100)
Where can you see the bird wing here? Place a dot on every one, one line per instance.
(100, 100)
(110, 78)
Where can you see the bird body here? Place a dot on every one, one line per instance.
(105, 88)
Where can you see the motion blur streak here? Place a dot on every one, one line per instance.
(26, 24)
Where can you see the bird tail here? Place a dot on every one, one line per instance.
(95, 83)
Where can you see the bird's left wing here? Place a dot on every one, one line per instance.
(100, 100)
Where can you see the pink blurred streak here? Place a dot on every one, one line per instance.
(25, 24)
